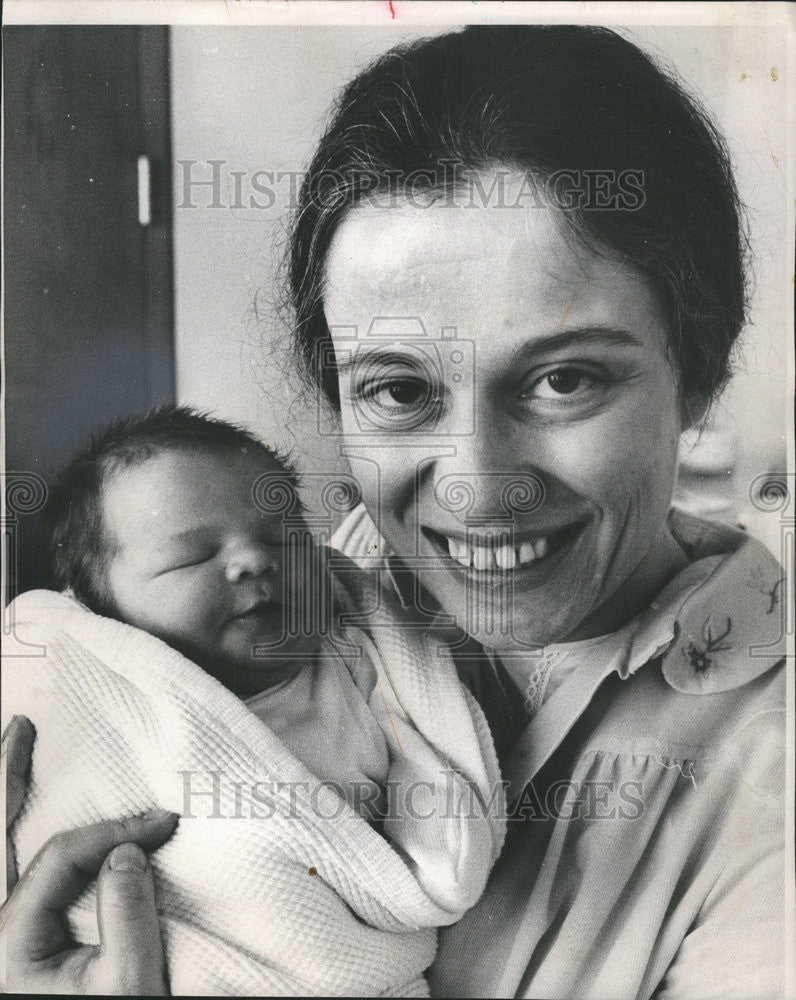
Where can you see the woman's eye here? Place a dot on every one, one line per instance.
(407, 400)
(398, 393)
(565, 382)
(562, 382)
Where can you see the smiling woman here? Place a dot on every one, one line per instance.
(514, 352)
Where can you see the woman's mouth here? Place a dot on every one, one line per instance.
(503, 552)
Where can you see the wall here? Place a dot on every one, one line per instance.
(255, 99)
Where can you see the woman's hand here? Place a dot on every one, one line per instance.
(39, 955)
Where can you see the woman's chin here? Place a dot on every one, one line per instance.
(502, 618)
(522, 634)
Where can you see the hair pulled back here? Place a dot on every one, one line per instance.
(558, 103)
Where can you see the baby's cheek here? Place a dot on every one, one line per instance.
(178, 604)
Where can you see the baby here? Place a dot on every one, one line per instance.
(336, 784)
(157, 526)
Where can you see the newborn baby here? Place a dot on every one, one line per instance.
(160, 529)
(337, 786)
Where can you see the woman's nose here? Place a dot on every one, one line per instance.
(491, 476)
(250, 559)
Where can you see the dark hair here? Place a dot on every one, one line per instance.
(556, 102)
(79, 545)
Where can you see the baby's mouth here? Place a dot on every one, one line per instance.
(260, 611)
(503, 552)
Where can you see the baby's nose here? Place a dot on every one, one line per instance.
(251, 559)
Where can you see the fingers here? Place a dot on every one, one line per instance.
(17, 749)
(130, 943)
(60, 872)
(15, 762)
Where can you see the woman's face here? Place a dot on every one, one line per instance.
(511, 413)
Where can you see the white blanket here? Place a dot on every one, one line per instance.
(120, 716)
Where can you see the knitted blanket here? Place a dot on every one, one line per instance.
(272, 884)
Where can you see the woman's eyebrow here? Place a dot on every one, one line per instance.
(360, 356)
(589, 336)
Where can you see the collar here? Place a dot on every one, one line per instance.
(730, 628)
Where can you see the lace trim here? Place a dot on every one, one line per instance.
(539, 679)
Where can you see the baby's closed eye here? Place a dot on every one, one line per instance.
(187, 560)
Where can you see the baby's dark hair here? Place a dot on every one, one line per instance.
(79, 543)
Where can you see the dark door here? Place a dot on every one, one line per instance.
(87, 261)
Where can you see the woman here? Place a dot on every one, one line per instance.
(517, 270)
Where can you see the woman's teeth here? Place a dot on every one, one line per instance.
(489, 557)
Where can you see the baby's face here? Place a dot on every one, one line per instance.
(196, 563)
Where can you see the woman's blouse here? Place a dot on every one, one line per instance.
(647, 808)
